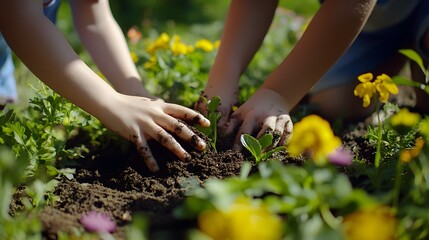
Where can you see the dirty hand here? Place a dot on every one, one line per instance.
(139, 119)
(265, 112)
(228, 99)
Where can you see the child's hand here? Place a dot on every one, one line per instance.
(265, 112)
(139, 119)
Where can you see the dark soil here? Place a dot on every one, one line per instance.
(116, 181)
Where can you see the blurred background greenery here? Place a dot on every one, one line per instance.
(164, 15)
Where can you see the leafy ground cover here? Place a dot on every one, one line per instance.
(64, 176)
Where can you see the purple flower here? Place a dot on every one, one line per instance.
(340, 156)
(98, 222)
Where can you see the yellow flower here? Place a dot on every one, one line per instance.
(204, 45)
(151, 63)
(241, 221)
(376, 223)
(178, 47)
(406, 155)
(134, 57)
(313, 135)
(217, 44)
(365, 89)
(385, 86)
(405, 118)
(161, 42)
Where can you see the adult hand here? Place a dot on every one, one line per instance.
(139, 119)
(265, 112)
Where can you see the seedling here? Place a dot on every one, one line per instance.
(257, 147)
(213, 115)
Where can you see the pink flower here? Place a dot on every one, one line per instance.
(340, 156)
(98, 222)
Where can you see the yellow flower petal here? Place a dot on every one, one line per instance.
(366, 77)
(313, 135)
(377, 223)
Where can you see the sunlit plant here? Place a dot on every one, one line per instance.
(213, 116)
(379, 88)
(172, 68)
(258, 146)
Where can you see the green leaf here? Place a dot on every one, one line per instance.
(251, 144)
(271, 152)
(414, 56)
(265, 140)
(213, 104)
(399, 80)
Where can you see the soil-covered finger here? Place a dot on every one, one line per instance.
(287, 133)
(168, 141)
(186, 114)
(246, 127)
(183, 132)
(268, 126)
(145, 152)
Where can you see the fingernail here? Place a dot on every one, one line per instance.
(205, 122)
(187, 157)
(202, 145)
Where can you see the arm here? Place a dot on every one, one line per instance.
(41, 46)
(102, 37)
(329, 34)
(246, 25)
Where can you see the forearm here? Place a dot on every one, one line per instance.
(245, 28)
(102, 37)
(48, 55)
(329, 34)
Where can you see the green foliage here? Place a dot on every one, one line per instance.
(138, 229)
(257, 147)
(159, 12)
(303, 195)
(23, 226)
(176, 78)
(213, 116)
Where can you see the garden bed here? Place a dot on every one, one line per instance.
(115, 181)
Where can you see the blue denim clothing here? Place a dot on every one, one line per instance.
(8, 93)
(373, 48)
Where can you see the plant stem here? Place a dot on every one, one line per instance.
(378, 150)
(328, 217)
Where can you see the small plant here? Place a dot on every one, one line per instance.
(213, 115)
(257, 147)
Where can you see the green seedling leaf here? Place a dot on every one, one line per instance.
(265, 140)
(251, 144)
(213, 104)
(268, 154)
(213, 116)
(414, 56)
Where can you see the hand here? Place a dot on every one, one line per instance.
(228, 98)
(139, 119)
(265, 112)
